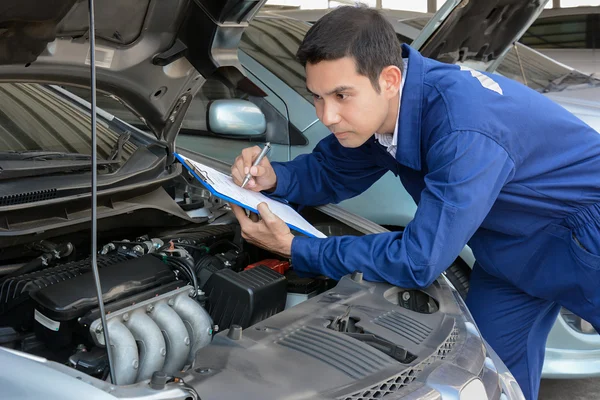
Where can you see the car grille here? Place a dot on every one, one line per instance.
(406, 377)
(357, 360)
(404, 326)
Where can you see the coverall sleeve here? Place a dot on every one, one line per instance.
(330, 174)
(467, 170)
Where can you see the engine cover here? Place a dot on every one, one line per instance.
(16, 306)
(58, 307)
(71, 299)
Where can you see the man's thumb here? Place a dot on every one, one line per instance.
(265, 212)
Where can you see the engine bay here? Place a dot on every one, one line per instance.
(166, 292)
(190, 305)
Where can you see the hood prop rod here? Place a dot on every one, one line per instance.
(92, 35)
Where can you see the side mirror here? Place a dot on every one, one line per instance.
(234, 117)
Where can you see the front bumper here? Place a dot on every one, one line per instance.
(508, 383)
(494, 381)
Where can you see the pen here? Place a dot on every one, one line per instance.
(262, 155)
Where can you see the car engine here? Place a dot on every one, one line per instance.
(193, 311)
(165, 297)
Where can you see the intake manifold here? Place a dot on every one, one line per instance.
(160, 334)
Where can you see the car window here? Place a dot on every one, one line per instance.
(580, 31)
(34, 117)
(273, 42)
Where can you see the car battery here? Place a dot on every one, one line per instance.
(301, 289)
(273, 264)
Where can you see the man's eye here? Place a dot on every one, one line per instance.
(342, 96)
(316, 97)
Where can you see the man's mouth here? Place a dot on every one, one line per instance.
(341, 135)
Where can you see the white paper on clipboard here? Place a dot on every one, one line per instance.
(222, 185)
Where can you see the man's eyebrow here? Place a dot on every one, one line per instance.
(336, 90)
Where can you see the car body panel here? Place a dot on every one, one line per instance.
(570, 354)
(476, 31)
(147, 69)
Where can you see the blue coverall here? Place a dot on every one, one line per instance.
(490, 163)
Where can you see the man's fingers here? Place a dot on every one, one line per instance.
(239, 213)
(253, 217)
(237, 170)
(236, 176)
(259, 170)
(248, 156)
(267, 215)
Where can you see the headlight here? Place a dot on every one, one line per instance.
(577, 323)
(474, 390)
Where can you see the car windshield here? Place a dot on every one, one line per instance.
(40, 122)
(273, 42)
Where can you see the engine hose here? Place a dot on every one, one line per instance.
(59, 251)
(181, 266)
(189, 271)
(206, 266)
(221, 242)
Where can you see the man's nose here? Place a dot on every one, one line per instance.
(330, 115)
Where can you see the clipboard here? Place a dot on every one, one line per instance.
(246, 198)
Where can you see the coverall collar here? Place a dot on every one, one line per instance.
(408, 151)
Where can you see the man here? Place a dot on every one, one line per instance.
(489, 162)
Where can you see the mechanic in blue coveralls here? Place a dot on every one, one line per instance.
(489, 162)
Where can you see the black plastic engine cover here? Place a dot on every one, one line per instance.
(71, 299)
(245, 298)
(16, 305)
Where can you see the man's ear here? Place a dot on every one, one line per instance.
(390, 80)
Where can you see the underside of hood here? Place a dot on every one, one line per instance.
(153, 55)
(27, 26)
(476, 30)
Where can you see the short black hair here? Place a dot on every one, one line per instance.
(353, 31)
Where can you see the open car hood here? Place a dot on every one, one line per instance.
(476, 30)
(151, 54)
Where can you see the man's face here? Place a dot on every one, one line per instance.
(346, 102)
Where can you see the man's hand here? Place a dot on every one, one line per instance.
(270, 233)
(263, 175)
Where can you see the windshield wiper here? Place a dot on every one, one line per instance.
(23, 165)
(37, 155)
(117, 150)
